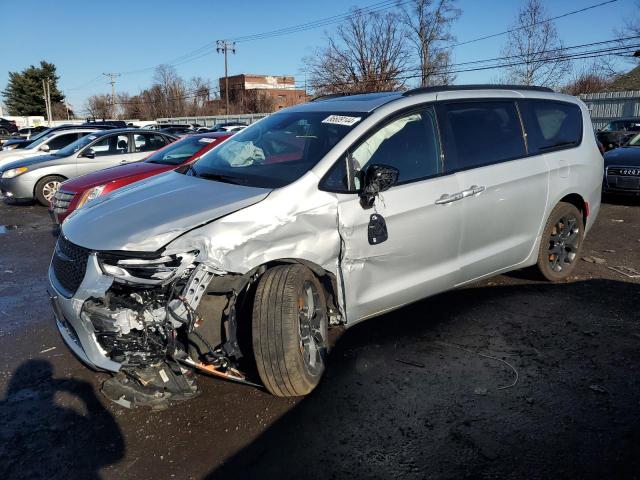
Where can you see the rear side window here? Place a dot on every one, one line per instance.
(148, 142)
(62, 141)
(553, 125)
(483, 133)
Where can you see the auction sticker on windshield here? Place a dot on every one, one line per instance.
(341, 120)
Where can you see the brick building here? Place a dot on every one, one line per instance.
(258, 93)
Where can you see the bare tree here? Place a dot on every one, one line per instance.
(171, 89)
(630, 28)
(99, 106)
(534, 48)
(366, 54)
(428, 28)
(592, 78)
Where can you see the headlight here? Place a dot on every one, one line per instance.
(148, 271)
(10, 147)
(90, 194)
(14, 172)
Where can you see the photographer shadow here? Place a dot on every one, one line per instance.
(41, 438)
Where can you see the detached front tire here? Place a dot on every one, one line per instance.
(561, 242)
(289, 330)
(46, 188)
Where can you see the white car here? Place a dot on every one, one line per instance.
(47, 144)
(319, 216)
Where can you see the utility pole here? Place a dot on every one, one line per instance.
(47, 99)
(112, 81)
(224, 46)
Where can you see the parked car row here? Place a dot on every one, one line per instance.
(27, 174)
(319, 216)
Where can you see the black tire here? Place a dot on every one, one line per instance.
(43, 189)
(561, 242)
(290, 359)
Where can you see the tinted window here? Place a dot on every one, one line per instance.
(553, 125)
(148, 142)
(62, 141)
(482, 133)
(111, 145)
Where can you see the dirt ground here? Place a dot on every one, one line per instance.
(428, 391)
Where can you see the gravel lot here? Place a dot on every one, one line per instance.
(425, 392)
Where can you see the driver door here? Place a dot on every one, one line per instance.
(420, 256)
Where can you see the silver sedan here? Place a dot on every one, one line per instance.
(39, 177)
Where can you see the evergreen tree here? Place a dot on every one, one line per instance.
(24, 95)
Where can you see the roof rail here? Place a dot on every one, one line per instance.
(445, 88)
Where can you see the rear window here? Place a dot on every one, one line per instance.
(553, 125)
(482, 133)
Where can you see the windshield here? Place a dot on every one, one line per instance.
(276, 150)
(75, 146)
(41, 140)
(179, 152)
(40, 135)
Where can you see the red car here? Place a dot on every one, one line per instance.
(75, 193)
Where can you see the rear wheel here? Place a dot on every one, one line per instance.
(46, 189)
(289, 330)
(561, 242)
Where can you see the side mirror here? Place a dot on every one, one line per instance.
(377, 178)
(44, 148)
(89, 153)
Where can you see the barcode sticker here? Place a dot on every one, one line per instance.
(342, 120)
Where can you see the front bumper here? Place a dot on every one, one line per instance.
(78, 332)
(18, 188)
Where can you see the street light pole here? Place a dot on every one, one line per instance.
(224, 46)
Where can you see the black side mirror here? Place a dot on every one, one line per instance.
(376, 179)
(89, 153)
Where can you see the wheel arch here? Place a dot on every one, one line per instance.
(579, 202)
(327, 278)
(42, 177)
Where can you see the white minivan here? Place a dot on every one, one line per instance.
(321, 215)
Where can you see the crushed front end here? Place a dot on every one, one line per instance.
(149, 318)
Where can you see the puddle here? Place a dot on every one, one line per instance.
(6, 228)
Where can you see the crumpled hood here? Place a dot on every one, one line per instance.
(147, 215)
(623, 156)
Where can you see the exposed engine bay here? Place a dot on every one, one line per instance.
(160, 319)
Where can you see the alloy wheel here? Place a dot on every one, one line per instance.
(49, 189)
(312, 325)
(564, 242)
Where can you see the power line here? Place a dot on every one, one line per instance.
(493, 35)
(452, 68)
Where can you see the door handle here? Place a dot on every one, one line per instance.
(446, 198)
(472, 190)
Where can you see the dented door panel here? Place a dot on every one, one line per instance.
(419, 258)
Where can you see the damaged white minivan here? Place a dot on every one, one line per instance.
(320, 216)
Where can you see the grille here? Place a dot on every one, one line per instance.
(624, 171)
(69, 265)
(61, 201)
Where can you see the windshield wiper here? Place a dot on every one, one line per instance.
(219, 177)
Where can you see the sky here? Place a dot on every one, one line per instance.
(85, 39)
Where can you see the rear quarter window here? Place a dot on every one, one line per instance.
(552, 125)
